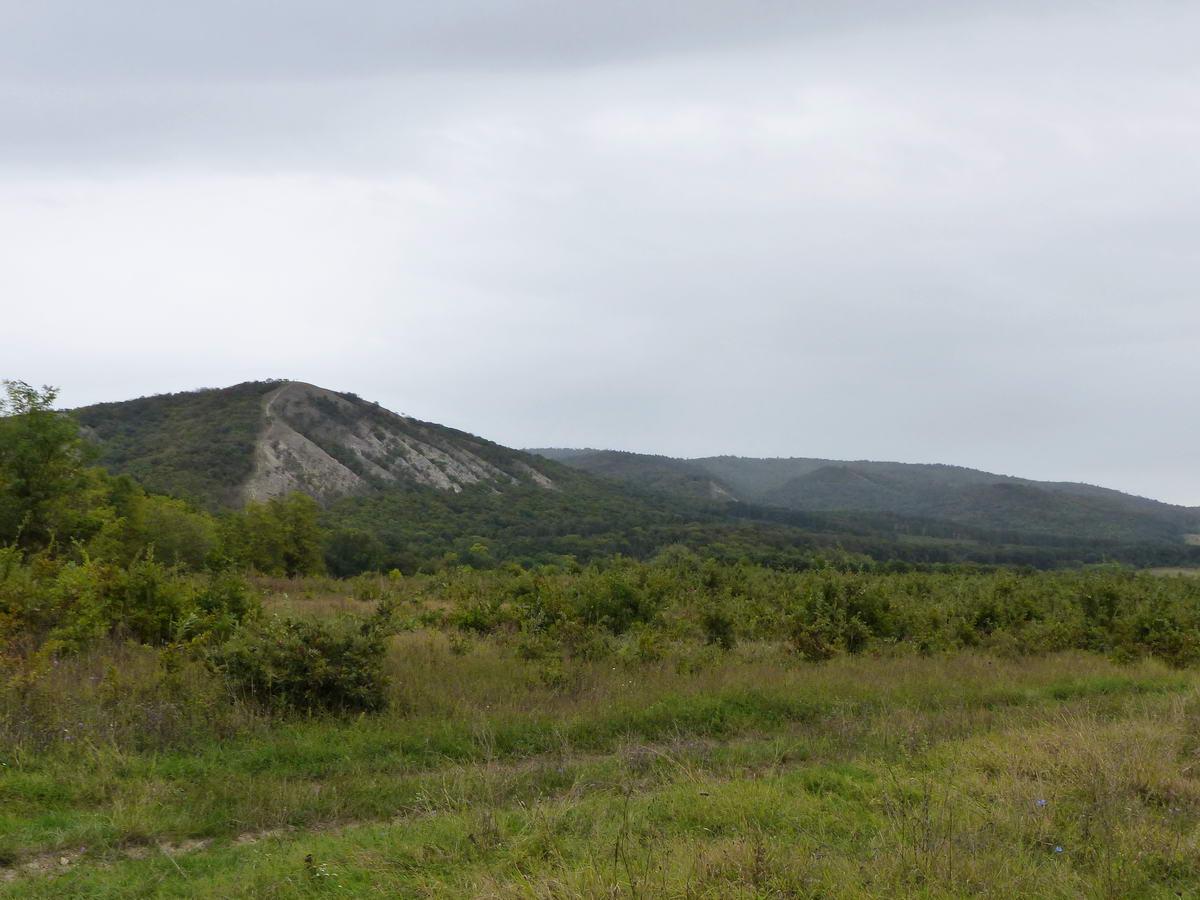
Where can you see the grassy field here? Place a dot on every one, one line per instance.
(704, 773)
(1175, 570)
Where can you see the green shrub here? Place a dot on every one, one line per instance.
(533, 645)
(814, 641)
(152, 601)
(480, 614)
(1171, 641)
(649, 646)
(221, 606)
(718, 628)
(71, 605)
(304, 665)
(590, 642)
(613, 601)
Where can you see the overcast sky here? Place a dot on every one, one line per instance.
(925, 231)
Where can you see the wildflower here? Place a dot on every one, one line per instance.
(1058, 849)
(1041, 803)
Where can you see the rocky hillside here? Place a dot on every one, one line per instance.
(332, 445)
(259, 440)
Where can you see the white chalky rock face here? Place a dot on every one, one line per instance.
(328, 446)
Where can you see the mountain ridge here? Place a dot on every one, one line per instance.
(406, 493)
(927, 490)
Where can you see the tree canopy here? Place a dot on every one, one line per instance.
(42, 464)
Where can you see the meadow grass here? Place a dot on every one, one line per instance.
(706, 773)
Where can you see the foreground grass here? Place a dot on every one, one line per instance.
(723, 775)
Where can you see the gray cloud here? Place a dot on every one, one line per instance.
(949, 234)
(62, 40)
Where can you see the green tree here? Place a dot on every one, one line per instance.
(41, 465)
(349, 551)
(138, 523)
(279, 537)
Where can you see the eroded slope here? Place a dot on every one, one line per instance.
(331, 445)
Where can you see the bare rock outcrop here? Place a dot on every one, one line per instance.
(330, 445)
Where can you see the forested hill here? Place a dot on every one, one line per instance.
(396, 492)
(254, 441)
(967, 497)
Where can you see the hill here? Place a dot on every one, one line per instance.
(967, 497)
(258, 440)
(397, 492)
(657, 473)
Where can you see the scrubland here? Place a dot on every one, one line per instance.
(673, 729)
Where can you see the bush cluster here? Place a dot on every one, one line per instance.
(307, 665)
(54, 611)
(824, 612)
(65, 605)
